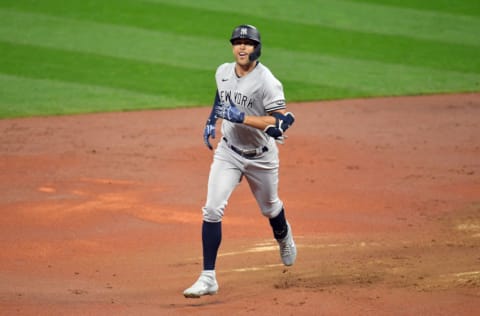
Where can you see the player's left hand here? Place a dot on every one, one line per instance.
(230, 112)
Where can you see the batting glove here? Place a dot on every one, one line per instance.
(230, 112)
(208, 132)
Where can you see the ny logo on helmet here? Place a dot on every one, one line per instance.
(243, 31)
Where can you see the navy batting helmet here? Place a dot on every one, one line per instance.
(246, 31)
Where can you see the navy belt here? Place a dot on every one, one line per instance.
(252, 153)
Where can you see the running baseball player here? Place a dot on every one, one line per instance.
(251, 102)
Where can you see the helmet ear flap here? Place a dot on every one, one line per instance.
(256, 52)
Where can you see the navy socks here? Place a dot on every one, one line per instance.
(211, 238)
(279, 225)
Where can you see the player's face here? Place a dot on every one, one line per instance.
(242, 48)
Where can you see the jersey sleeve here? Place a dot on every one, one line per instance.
(274, 98)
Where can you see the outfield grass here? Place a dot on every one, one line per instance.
(62, 57)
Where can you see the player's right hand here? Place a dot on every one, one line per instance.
(208, 132)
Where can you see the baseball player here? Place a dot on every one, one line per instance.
(251, 102)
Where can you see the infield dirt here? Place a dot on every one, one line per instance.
(101, 214)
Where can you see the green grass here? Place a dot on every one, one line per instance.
(63, 57)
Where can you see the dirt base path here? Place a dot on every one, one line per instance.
(101, 214)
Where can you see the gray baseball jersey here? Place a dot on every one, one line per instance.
(257, 93)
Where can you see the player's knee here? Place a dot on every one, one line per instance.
(273, 209)
(212, 215)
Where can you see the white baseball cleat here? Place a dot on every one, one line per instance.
(205, 285)
(288, 250)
